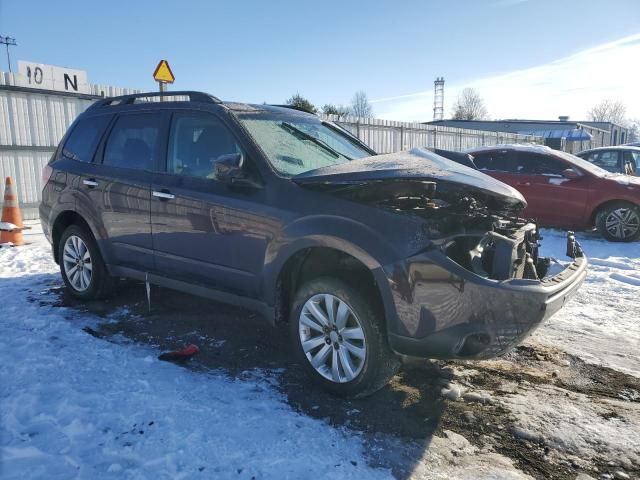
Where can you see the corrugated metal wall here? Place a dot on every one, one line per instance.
(33, 122)
(31, 126)
(386, 136)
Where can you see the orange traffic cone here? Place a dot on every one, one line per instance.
(11, 214)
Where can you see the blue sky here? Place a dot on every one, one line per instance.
(326, 50)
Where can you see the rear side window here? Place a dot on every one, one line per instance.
(495, 161)
(82, 142)
(133, 142)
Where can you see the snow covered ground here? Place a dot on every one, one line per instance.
(75, 406)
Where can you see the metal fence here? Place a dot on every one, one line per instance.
(386, 136)
(32, 122)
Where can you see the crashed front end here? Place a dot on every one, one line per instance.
(475, 296)
(478, 287)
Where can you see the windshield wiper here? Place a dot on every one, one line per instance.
(287, 127)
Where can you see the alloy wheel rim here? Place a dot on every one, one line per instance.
(77, 263)
(332, 338)
(622, 223)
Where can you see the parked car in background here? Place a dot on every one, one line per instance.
(619, 159)
(356, 257)
(563, 190)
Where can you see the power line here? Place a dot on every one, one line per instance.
(8, 42)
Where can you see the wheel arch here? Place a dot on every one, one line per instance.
(62, 221)
(594, 213)
(314, 259)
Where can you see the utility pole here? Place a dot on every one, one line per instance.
(438, 99)
(8, 42)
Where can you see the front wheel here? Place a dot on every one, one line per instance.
(619, 222)
(339, 338)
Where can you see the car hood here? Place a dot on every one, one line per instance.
(402, 173)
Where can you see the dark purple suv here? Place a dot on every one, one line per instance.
(361, 257)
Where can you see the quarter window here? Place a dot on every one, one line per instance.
(196, 143)
(133, 142)
(84, 138)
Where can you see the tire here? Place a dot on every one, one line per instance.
(357, 375)
(619, 222)
(90, 279)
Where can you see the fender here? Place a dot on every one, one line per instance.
(364, 244)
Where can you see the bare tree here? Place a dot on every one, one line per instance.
(608, 111)
(469, 106)
(360, 106)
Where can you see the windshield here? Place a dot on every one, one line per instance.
(295, 144)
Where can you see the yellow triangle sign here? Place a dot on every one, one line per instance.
(163, 72)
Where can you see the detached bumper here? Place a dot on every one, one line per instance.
(444, 311)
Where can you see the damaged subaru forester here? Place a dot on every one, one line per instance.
(361, 257)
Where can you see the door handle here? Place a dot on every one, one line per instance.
(524, 184)
(163, 194)
(90, 182)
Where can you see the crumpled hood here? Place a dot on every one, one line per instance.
(418, 164)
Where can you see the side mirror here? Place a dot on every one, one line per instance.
(571, 174)
(229, 167)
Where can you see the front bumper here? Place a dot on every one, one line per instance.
(443, 310)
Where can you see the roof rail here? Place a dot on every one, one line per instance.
(130, 99)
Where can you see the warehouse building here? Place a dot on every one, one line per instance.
(562, 134)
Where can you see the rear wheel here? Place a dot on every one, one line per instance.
(619, 222)
(81, 265)
(338, 337)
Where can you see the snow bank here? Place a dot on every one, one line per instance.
(601, 323)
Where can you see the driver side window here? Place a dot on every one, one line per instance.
(196, 143)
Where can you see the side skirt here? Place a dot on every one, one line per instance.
(265, 310)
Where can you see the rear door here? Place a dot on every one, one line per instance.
(120, 185)
(205, 231)
(554, 200)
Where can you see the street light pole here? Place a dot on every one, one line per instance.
(7, 42)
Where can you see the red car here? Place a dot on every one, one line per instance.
(565, 191)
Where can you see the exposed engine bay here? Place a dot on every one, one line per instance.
(472, 217)
(508, 250)
(474, 229)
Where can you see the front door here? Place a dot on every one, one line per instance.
(554, 199)
(205, 231)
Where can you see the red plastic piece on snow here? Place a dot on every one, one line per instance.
(184, 354)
